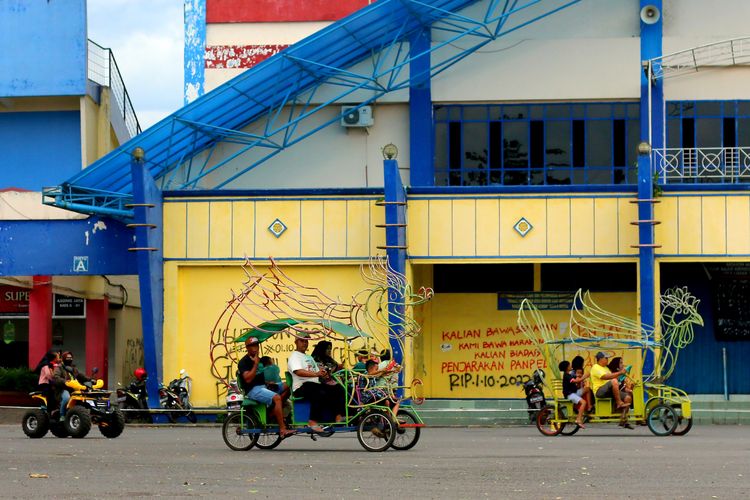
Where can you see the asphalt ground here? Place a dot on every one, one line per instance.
(503, 462)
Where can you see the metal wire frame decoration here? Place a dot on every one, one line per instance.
(272, 295)
(593, 328)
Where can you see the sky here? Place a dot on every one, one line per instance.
(146, 37)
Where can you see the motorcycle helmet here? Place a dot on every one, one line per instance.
(140, 374)
(538, 377)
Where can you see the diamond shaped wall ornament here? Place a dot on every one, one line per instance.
(277, 228)
(523, 227)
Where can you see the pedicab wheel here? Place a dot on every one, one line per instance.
(58, 429)
(268, 440)
(567, 429)
(662, 420)
(405, 437)
(683, 424)
(545, 424)
(35, 423)
(231, 432)
(376, 431)
(78, 422)
(113, 427)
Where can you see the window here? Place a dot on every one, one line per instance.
(539, 144)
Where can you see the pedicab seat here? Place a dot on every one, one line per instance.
(301, 407)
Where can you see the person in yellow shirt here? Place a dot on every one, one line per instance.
(604, 385)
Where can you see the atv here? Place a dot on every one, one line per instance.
(87, 405)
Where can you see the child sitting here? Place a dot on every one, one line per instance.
(573, 391)
(370, 392)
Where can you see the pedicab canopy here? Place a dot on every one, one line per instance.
(266, 330)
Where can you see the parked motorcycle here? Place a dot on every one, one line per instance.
(535, 399)
(175, 397)
(134, 399)
(234, 396)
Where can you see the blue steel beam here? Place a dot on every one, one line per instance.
(376, 33)
(408, 58)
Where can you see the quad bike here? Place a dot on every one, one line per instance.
(87, 405)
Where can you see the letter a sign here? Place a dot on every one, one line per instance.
(80, 263)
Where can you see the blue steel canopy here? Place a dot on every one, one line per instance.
(280, 93)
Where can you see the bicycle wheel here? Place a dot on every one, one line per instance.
(231, 431)
(683, 424)
(406, 437)
(268, 439)
(662, 420)
(375, 431)
(570, 428)
(544, 422)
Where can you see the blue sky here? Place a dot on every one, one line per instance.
(146, 37)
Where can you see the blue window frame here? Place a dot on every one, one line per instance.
(536, 144)
(707, 142)
(708, 124)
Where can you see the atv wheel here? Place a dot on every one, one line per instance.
(58, 429)
(35, 423)
(113, 426)
(78, 422)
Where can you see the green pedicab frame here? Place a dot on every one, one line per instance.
(376, 426)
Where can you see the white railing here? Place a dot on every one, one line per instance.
(725, 53)
(102, 69)
(725, 165)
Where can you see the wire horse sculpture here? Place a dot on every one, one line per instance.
(273, 295)
(592, 327)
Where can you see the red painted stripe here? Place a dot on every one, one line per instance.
(269, 11)
(239, 56)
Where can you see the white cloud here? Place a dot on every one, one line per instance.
(146, 37)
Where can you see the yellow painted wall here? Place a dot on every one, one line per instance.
(331, 228)
(483, 227)
(196, 295)
(472, 350)
(711, 225)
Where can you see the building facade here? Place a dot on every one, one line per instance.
(542, 147)
(63, 105)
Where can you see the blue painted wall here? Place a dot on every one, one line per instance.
(39, 148)
(699, 367)
(48, 247)
(43, 47)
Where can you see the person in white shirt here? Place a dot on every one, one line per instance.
(306, 384)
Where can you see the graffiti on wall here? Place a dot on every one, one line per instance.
(133, 357)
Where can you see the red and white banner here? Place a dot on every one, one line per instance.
(239, 56)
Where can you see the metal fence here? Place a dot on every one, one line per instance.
(697, 165)
(102, 69)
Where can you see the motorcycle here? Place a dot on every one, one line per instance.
(87, 405)
(234, 396)
(134, 400)
(175, 397)
(535, 399)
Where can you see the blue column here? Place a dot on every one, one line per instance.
(420, 112)
(147, 208)
(195, 48)
(651, 46)
(395, 241)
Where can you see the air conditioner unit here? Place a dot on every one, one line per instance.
(352, 116)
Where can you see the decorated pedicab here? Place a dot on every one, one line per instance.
(666, 410)
(272, 306)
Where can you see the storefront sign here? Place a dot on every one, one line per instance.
(14, 301)
(69, 307)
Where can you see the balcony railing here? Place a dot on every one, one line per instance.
(104, 71)
(698, 165)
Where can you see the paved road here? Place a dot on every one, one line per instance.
(510, 462)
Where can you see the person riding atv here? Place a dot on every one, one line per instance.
(83, 405)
